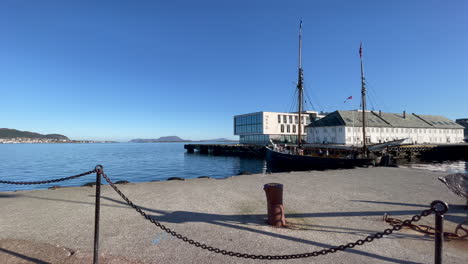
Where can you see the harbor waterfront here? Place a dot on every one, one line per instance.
(322, 208)
(137, 162)
(133, 162)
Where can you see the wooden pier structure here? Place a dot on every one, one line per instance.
(431, 152)
(424, 151)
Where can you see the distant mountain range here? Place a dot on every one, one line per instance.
(177, 139)
(7, 133)
(161, 139)
(218, 140)
(13, 133)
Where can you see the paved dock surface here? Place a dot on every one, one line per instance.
(323, 208)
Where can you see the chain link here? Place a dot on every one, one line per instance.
(47, 181)
(359, 242)
(396, 223)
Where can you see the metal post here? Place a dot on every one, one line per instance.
(274, 194)
(99, 172)
(439, 240)
(440, 208)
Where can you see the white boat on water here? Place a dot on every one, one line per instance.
(382, 146)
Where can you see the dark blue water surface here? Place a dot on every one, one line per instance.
(448, 166)
(134, 162)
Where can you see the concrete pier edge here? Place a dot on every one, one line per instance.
(325, 208)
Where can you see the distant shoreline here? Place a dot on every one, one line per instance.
(188, 141)
(111, 142)
(71, 142)
(178, 140)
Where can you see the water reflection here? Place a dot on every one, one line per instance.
(196, 165)
(460, 166)
(252, 165)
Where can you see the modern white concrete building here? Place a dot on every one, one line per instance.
(258, 128)
(345, 127)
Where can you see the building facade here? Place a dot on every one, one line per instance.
(258, 128)
(463, 122)
(345, 127)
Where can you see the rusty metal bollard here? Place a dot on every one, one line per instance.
(274, 194)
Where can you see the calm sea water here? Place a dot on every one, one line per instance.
(459, 166)
(134, 162)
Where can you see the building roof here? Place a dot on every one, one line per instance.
(282, 113)
(381, 119)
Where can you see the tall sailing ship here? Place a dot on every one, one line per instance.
(298, 158)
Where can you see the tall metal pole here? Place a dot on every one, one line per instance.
(300, 88)
(99, 172)
(363, 103)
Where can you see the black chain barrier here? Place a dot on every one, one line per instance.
(359, 242)
(48, 181)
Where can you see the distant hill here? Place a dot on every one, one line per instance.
(178, 139)
(219, 140)
(161, 139)
(13, 133)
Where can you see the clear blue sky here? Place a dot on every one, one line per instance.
(118, 70)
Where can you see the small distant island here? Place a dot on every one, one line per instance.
(13, 136)
(177, 139)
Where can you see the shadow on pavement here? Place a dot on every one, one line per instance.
(18, 255)
(233, 221)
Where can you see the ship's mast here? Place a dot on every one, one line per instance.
(363, 103)
(300, 88)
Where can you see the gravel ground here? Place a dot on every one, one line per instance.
(323, 208)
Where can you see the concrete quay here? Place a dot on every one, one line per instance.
(323, 208)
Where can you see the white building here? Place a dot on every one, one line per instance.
(258, 128)
(345, 127)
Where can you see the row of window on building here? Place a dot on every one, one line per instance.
(265, 139)
(286, 139)
(248, 124)
(240, 129)
(288, 119)
(391, 130)
(248, 119)
(327, 139)
(327, 130)
(291, 129)
(254, 139)
(387, 139)
(407, 130)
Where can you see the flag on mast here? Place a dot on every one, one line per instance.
(349, 98)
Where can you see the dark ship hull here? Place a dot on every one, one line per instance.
(284, 161)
